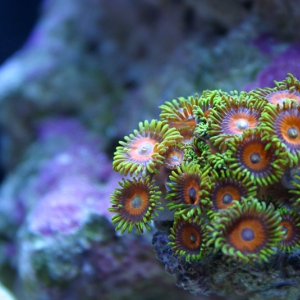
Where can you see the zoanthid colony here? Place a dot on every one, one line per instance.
(226, 168)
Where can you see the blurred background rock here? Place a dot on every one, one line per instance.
(78, 75)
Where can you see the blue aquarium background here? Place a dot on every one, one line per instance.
(76, 76)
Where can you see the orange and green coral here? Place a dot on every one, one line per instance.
(224, 166)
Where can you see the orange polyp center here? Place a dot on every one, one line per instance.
(290, 129)
(248, 235)
(279, 97)
(288, 229)
(240, 121)
(136, 202)
(225, 195)
(191, 192)
(254, 156)
(141, 149)
(190, 237)
(173, 158)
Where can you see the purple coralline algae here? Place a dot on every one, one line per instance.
(288, 61)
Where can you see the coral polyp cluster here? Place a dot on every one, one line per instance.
(228, 172)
